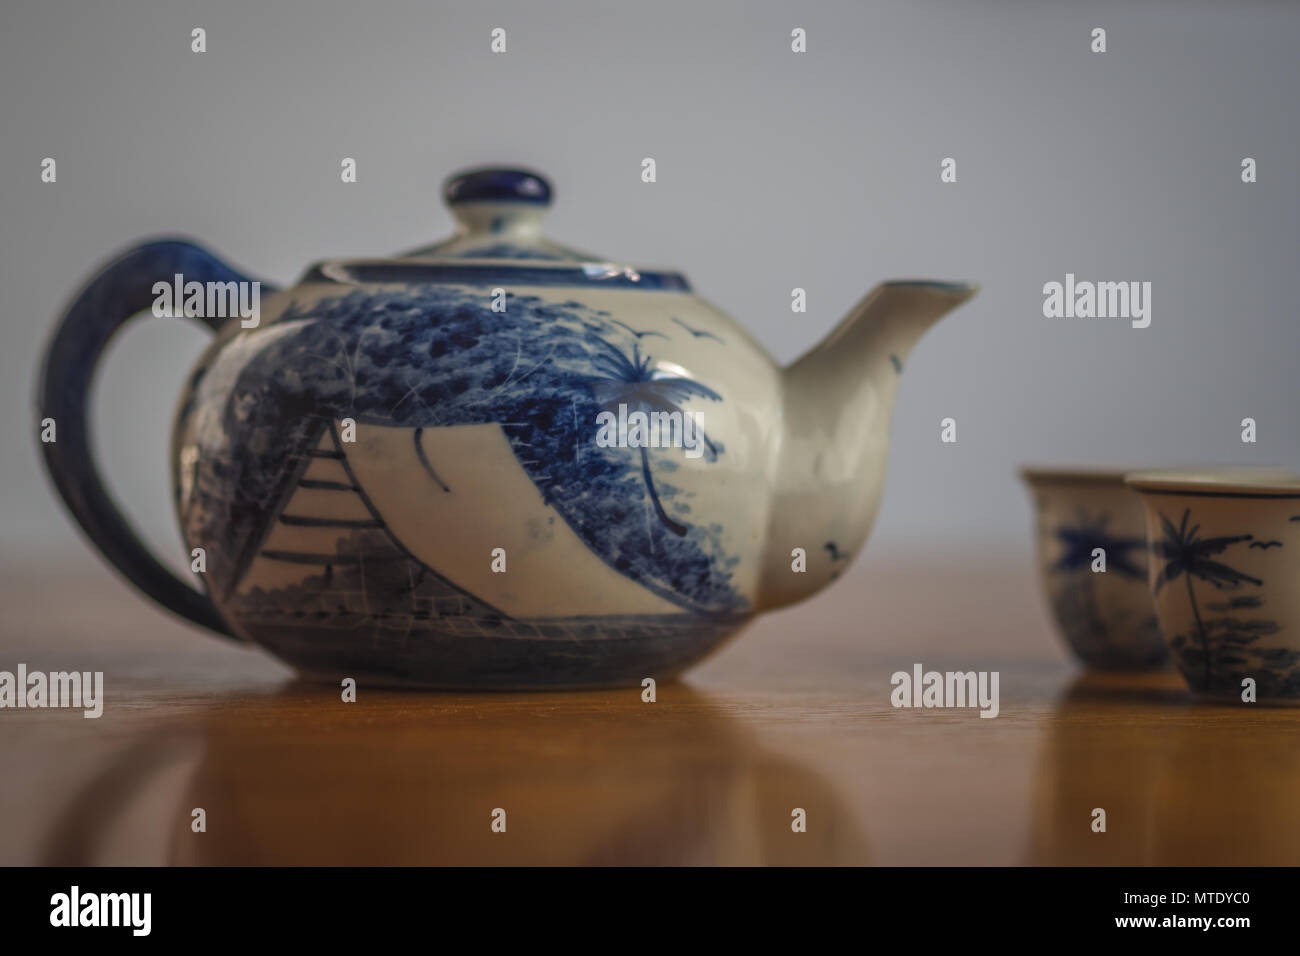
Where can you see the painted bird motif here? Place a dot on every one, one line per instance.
(698, 333)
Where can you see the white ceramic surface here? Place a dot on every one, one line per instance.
(1224, 573)
(1106, 617)
(400, 471)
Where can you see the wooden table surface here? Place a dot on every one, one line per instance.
(795, 713)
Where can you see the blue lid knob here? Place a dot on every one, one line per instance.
(496, 184)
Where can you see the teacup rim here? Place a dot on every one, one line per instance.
(1217, 474)
(1075, 474)
(1203, 482)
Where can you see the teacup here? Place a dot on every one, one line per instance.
(1092, 557)
(1224, 570)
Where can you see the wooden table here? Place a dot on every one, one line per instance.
(794, 714)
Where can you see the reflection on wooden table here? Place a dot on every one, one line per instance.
(1182, 783)
(794, 715)
(583, 778)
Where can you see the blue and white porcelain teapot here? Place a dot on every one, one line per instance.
(493, 461)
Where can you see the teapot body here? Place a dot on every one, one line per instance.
(493, 461)
(512, 478)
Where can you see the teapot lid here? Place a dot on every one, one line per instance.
(498, 241)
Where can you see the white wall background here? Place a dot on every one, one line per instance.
(775, 170)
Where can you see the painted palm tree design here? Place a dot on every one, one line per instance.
(640, 384)
(1078, 541)
(1188, 556)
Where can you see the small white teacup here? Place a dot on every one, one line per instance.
(1224, 575)
(1092, 558)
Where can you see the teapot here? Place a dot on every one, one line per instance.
(492, 462)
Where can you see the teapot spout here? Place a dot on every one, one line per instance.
(837, 401)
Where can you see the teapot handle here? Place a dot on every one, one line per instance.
(122, 290)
